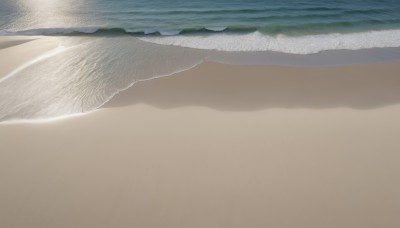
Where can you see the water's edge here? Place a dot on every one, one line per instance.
(95, 69)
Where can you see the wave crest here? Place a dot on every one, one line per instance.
(308, 44)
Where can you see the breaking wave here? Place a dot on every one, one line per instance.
(308, 44)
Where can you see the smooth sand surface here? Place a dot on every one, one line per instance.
(216, 146)
(17, 51)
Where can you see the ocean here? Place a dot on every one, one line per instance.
(173, 17)
(118, 43)
(252, 25)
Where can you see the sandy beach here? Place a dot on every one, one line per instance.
(275, 147)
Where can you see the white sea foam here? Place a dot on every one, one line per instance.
(216, 29)
(164, 32)
(308, 44)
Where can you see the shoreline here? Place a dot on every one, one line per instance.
(215, 146)
(276, 88)
(280, 79)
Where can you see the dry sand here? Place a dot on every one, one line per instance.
(216, 146)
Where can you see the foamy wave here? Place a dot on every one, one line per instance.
(308, 44)
(216, 29)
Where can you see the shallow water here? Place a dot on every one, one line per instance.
(86, 73)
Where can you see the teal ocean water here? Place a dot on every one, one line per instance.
(172, 17)
(107, 46)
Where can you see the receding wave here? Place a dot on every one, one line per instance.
(85, 75)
